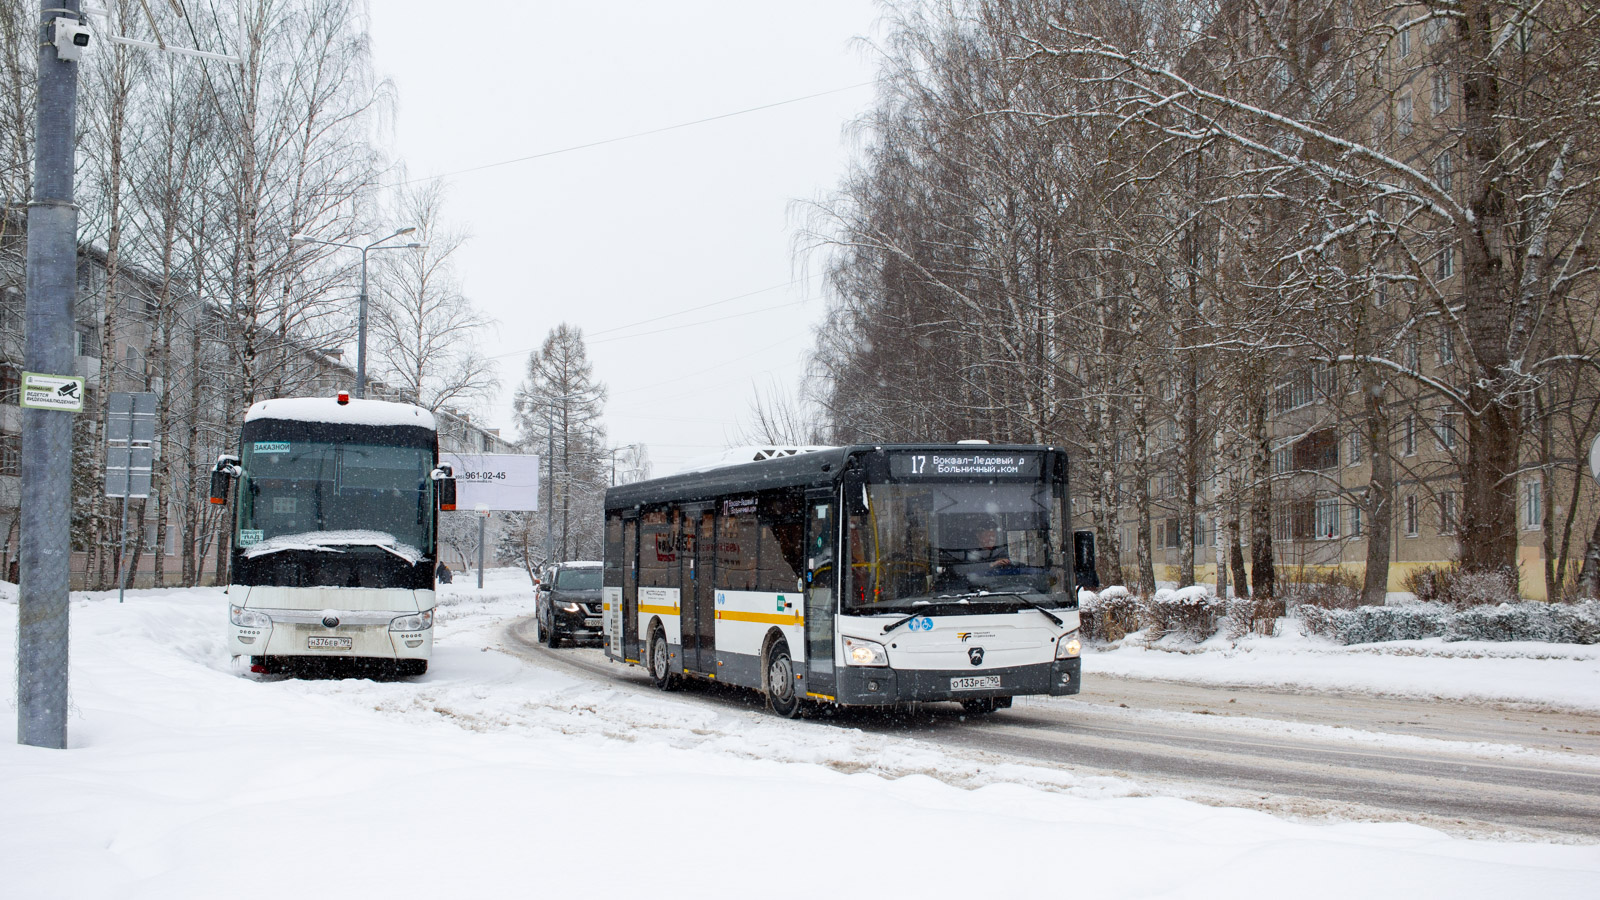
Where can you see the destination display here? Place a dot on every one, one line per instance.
(965, 463)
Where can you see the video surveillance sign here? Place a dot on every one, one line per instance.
(495, 481)
(59, 392)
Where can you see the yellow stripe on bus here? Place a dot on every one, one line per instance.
(660, 610)
(821, 697)
(764, 618)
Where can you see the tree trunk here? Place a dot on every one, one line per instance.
(1262, 571)
(1379, 501)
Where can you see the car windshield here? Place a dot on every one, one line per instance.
(585, 579)
(301, 488)
(930, 543)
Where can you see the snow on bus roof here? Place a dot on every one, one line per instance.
(327, 409)
(734, 456)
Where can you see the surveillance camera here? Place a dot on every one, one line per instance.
(71, 37)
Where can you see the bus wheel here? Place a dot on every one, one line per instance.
(409, 667)
(660, 662)
(781, 695)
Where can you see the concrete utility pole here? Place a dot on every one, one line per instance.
(47, 434)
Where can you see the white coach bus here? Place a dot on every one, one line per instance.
(853, 576)
(335, 533)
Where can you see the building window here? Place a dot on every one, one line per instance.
(1413, 353)
(1403, 43)
(1327, 514)
(1533, 504)
(1281, 460)
(1303, 519)
(1434, 30)
(1449, 429)
(1173, 537)
(1441, 91)
(1447, 344)
(10, 383)
(1447, 512)
(1402, 114)
(1444, 170)
(1411, 517)
(1296, 391)
(1447, 262)
(1355, 521)
(1317, 451)
(1409, 440)
(10, 454)
(1355, 449)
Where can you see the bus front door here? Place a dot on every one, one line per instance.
(630, 590)
(822, 597)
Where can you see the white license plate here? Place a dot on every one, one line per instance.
(974, 682)
(591, 623)
(328, 643)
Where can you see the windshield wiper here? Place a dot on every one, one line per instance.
(1048, 614)
(929, 605)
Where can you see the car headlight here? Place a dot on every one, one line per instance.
(421, 621)
(1068, 646)
(248, 618)
(864, 653)
(570, 607)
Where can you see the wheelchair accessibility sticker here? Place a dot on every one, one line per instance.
(920, 623)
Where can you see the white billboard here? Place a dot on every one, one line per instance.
(495, 481)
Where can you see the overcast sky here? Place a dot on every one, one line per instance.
(624, 239)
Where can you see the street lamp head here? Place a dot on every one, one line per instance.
(406, 230)
(416, 246)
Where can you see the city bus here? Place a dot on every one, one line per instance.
(335, 534)
(853, 576)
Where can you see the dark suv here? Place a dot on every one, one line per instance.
(569, 603)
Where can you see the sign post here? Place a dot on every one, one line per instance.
(130, 440)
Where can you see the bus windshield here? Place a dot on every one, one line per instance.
(933, 543)
(300, 488)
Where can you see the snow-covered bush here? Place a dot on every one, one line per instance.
(1108, 615)
(1561, 623)
(1114, 612)
(1372, 624)
(1461, 589)
(1192, 612)
(1565, 623)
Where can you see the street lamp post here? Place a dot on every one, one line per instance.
(361, 309)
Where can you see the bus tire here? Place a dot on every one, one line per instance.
(661, 661)
(782, 697)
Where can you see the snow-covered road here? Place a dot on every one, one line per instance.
(490, 777)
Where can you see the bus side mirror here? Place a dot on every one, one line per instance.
(1083, 564)
(444, 486)
(855, 495)
(222, 476)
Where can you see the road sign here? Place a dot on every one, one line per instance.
(58, 392)
(130, 436)
(497, 481)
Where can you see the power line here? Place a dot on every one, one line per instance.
(737, 315)
(636, 134)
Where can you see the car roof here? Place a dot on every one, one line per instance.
(579, 564)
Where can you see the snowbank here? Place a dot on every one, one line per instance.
(188, 777)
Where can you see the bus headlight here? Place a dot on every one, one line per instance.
(864, 653)
(421, 621)
(248, 618)
(1068, 646)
